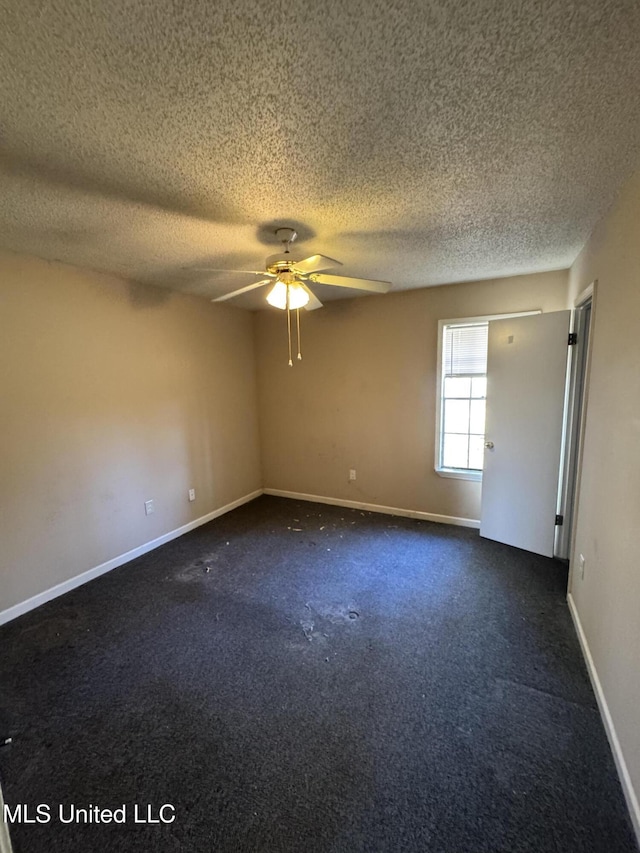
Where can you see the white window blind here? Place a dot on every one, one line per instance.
(465, 350)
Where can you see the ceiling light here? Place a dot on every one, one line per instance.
(293, 294)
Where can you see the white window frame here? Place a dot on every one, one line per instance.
(460, 473)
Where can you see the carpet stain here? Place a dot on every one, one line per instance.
(307, 626)
(339, 614)
(199, 570)
(322, 621)
(55, 629)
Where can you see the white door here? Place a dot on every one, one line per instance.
(526, 371)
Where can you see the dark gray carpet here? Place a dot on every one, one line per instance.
(297, 677)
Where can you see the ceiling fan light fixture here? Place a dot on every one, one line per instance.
(289, 277)
(277, 296)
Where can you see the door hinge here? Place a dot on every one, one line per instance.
(559, 520)
(573, 339)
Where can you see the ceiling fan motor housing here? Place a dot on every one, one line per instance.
(282, 262)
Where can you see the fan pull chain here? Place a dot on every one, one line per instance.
(298, 324)
(289, 327)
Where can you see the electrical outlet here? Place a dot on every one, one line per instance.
(148, 508)
(192, 494)
(581, 562)
(352, 473)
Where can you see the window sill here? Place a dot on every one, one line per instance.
(460, 474)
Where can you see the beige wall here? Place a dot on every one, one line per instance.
(364, 395)
(608, 598)
(113, 394)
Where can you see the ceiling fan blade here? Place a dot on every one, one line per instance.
(315, 263)
(313, 302)
(355, 283)
(227, 272)
(246, 289)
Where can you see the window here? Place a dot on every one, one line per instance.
(462, 392)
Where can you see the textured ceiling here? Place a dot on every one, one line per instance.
(417, 141)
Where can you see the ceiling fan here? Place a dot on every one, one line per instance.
(290, 277)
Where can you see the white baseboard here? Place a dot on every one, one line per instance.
(54, 591)
(386, 510)
(605, 713)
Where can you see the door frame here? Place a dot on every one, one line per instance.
(576, 399)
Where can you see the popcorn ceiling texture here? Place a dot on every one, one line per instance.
(420, 142)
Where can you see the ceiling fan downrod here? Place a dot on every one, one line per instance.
(286, 237)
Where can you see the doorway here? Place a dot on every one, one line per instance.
(536, 404)
(576, 405)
